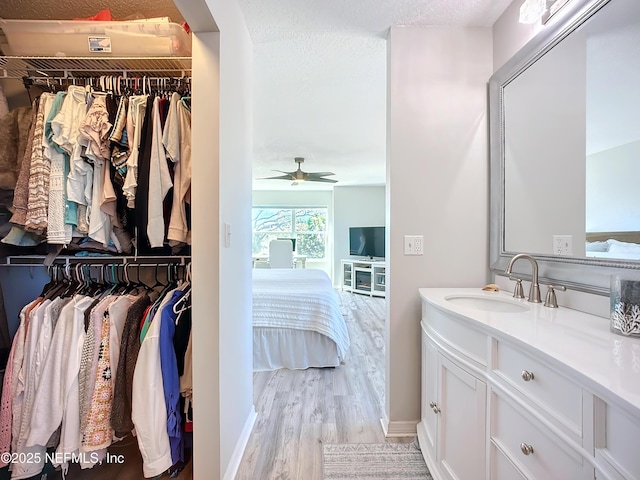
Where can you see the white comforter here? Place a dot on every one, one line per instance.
(301, 299)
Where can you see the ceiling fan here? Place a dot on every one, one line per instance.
(300, 176)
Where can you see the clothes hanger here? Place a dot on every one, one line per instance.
(57, 287)
(184, 303)
(72, 284)
(50, 283)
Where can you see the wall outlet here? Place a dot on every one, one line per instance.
(413, 245)
(563, 244)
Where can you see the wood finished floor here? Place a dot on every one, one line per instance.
(300, 410)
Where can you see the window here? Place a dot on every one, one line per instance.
(308, 225)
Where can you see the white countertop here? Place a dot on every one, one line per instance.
(608, 363)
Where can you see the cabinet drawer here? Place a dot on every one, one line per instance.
(556, 394)
(501, 467)
(549, 459)
(470, 343)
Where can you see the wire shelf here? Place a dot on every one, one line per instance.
(79, 67)
(41, 260)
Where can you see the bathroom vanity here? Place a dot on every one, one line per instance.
(515, 390)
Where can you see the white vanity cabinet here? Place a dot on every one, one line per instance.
(535, 394)
(453, 414)
(617, 441)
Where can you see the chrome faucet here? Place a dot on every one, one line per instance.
(534, 291)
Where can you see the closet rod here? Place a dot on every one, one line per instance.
(111, 83)
(38, 260)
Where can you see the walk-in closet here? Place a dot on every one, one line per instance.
(95, 243)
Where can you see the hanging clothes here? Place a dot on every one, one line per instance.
(149, 412)
(21, 191)
(58, 231)
(57, 402)
(159, 181)
(129, 349)
(70, 382)
(104, 174)
(177, 142)
(14, 134)
(135, 119)
(39, 171)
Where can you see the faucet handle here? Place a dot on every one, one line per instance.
(550, 300)
(518, 291)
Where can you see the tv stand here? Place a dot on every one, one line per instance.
(364, 276)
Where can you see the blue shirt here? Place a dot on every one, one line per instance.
(170, 377)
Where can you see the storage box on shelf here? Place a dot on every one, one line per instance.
(83, 38)
(364, 276)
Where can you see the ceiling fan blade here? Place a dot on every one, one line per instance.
(320, 179)
(281, 177)
(321, 174)
(301, 176)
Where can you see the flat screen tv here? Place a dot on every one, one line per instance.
(366, 242)
(293, 241)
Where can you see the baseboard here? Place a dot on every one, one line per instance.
(236, 457)
(398, 429)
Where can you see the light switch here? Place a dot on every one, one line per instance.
(413, 245)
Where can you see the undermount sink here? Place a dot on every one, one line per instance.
(489, 304)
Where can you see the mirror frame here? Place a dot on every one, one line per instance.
(584, 274)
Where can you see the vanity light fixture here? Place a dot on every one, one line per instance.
(533, 11)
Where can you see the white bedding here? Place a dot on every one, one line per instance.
(297, 321)
(613, 249)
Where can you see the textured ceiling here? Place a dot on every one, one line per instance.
(320, 73)
(320, 80)
(68, 9)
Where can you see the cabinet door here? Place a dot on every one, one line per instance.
(429, 391)
(347, 281)
(461, 448)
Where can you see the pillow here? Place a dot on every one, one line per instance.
(597, 246)
(616, 246)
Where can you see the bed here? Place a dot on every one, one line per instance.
(297, 322)
(613, 245)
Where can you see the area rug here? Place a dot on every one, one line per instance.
(374, 461)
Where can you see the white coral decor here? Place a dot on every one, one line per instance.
(626, 318)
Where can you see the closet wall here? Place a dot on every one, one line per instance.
(221, 193)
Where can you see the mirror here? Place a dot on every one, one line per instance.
(565, 147)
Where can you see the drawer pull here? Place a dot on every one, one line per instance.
(526, 448)
(527, 376)
(432, 404)
(434, 407)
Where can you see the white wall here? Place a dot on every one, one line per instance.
(354, 207)
(613, 195)
(302, 198)
(221, 192)
(437, 186)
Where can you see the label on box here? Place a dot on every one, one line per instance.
(100, 44)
